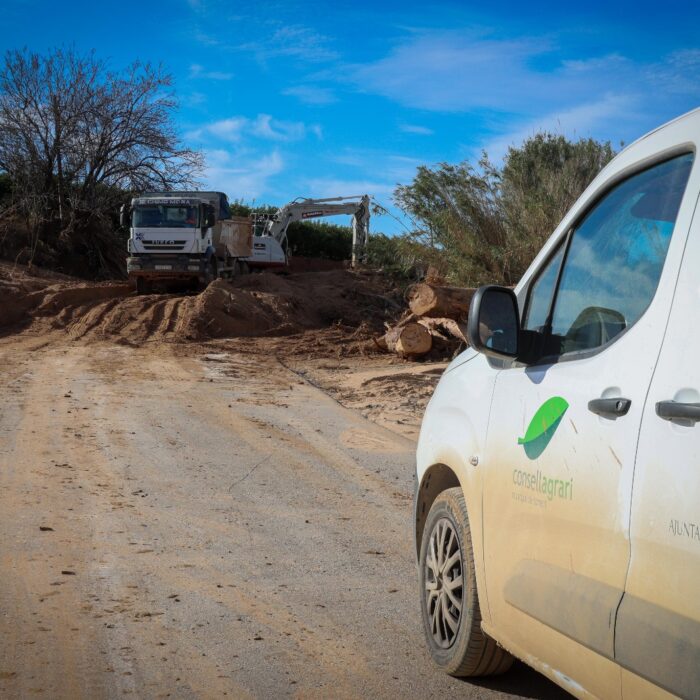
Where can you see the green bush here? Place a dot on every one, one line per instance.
(398, 256)
(485, 223)
(320, 240)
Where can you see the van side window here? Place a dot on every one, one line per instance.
(615, 258)
(542, 292)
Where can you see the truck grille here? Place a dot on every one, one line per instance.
(163, 245)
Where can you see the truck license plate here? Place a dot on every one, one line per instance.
(164, 267)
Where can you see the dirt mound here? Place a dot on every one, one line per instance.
(113, 311)
(319, 299)
(18, 285)
(53, 300)
(251, 305)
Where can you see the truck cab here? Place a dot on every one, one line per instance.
(172, 236)
(558, 465)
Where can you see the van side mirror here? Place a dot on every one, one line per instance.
(493, 327)
(125, 216)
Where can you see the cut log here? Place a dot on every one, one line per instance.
(447, 326)
(434, 301)
(414, 340)
(409, 340)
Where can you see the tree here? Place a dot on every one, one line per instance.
(485, 223)
(74, 135)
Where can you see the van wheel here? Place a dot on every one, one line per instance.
(449, 600)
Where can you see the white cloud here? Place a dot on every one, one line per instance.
(196, 98)
(292, 41)
(677, 74)
(206, 39)
(416, 129)
(242, 176)
(453, 71)
(581, 121)
(461, 71)
(264, 127)
(228, 129)
(198, 71)
(339, 187)
(218, 75)
(311, 94)
(393, 167)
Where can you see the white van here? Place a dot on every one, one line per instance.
(557, 511)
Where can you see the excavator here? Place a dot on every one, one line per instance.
(270, 249)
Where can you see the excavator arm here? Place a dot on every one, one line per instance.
(302, 209)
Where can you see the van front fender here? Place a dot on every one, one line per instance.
(448, 456)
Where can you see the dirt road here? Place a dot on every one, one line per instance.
(187, 523)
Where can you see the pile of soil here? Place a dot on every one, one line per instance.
(21, 289)
(248, 306)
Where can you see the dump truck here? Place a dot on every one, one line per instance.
(184, 237)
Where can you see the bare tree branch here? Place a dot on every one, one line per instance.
(72, 133)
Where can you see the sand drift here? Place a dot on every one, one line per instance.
(251, 305)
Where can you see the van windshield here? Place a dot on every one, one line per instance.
(165, 216)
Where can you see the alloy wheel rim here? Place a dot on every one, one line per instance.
(444, 587)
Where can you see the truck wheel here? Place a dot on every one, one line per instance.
(211, 272)
(143, 286)
(240, 268)
(449, 599)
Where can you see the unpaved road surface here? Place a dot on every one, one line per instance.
(188, 523)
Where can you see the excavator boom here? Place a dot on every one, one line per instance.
(302, 209)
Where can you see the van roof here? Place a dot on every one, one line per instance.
(692, 116)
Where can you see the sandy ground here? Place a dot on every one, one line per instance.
(191, 521)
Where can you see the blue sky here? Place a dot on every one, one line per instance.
(319, 99)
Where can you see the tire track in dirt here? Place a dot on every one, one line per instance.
(297, 582)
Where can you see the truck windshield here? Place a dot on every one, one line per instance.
(165, 216)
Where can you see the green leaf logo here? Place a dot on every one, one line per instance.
(543, 426)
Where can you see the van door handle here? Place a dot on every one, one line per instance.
(676, 410)
(610, 408)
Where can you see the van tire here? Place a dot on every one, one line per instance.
(454, 636)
